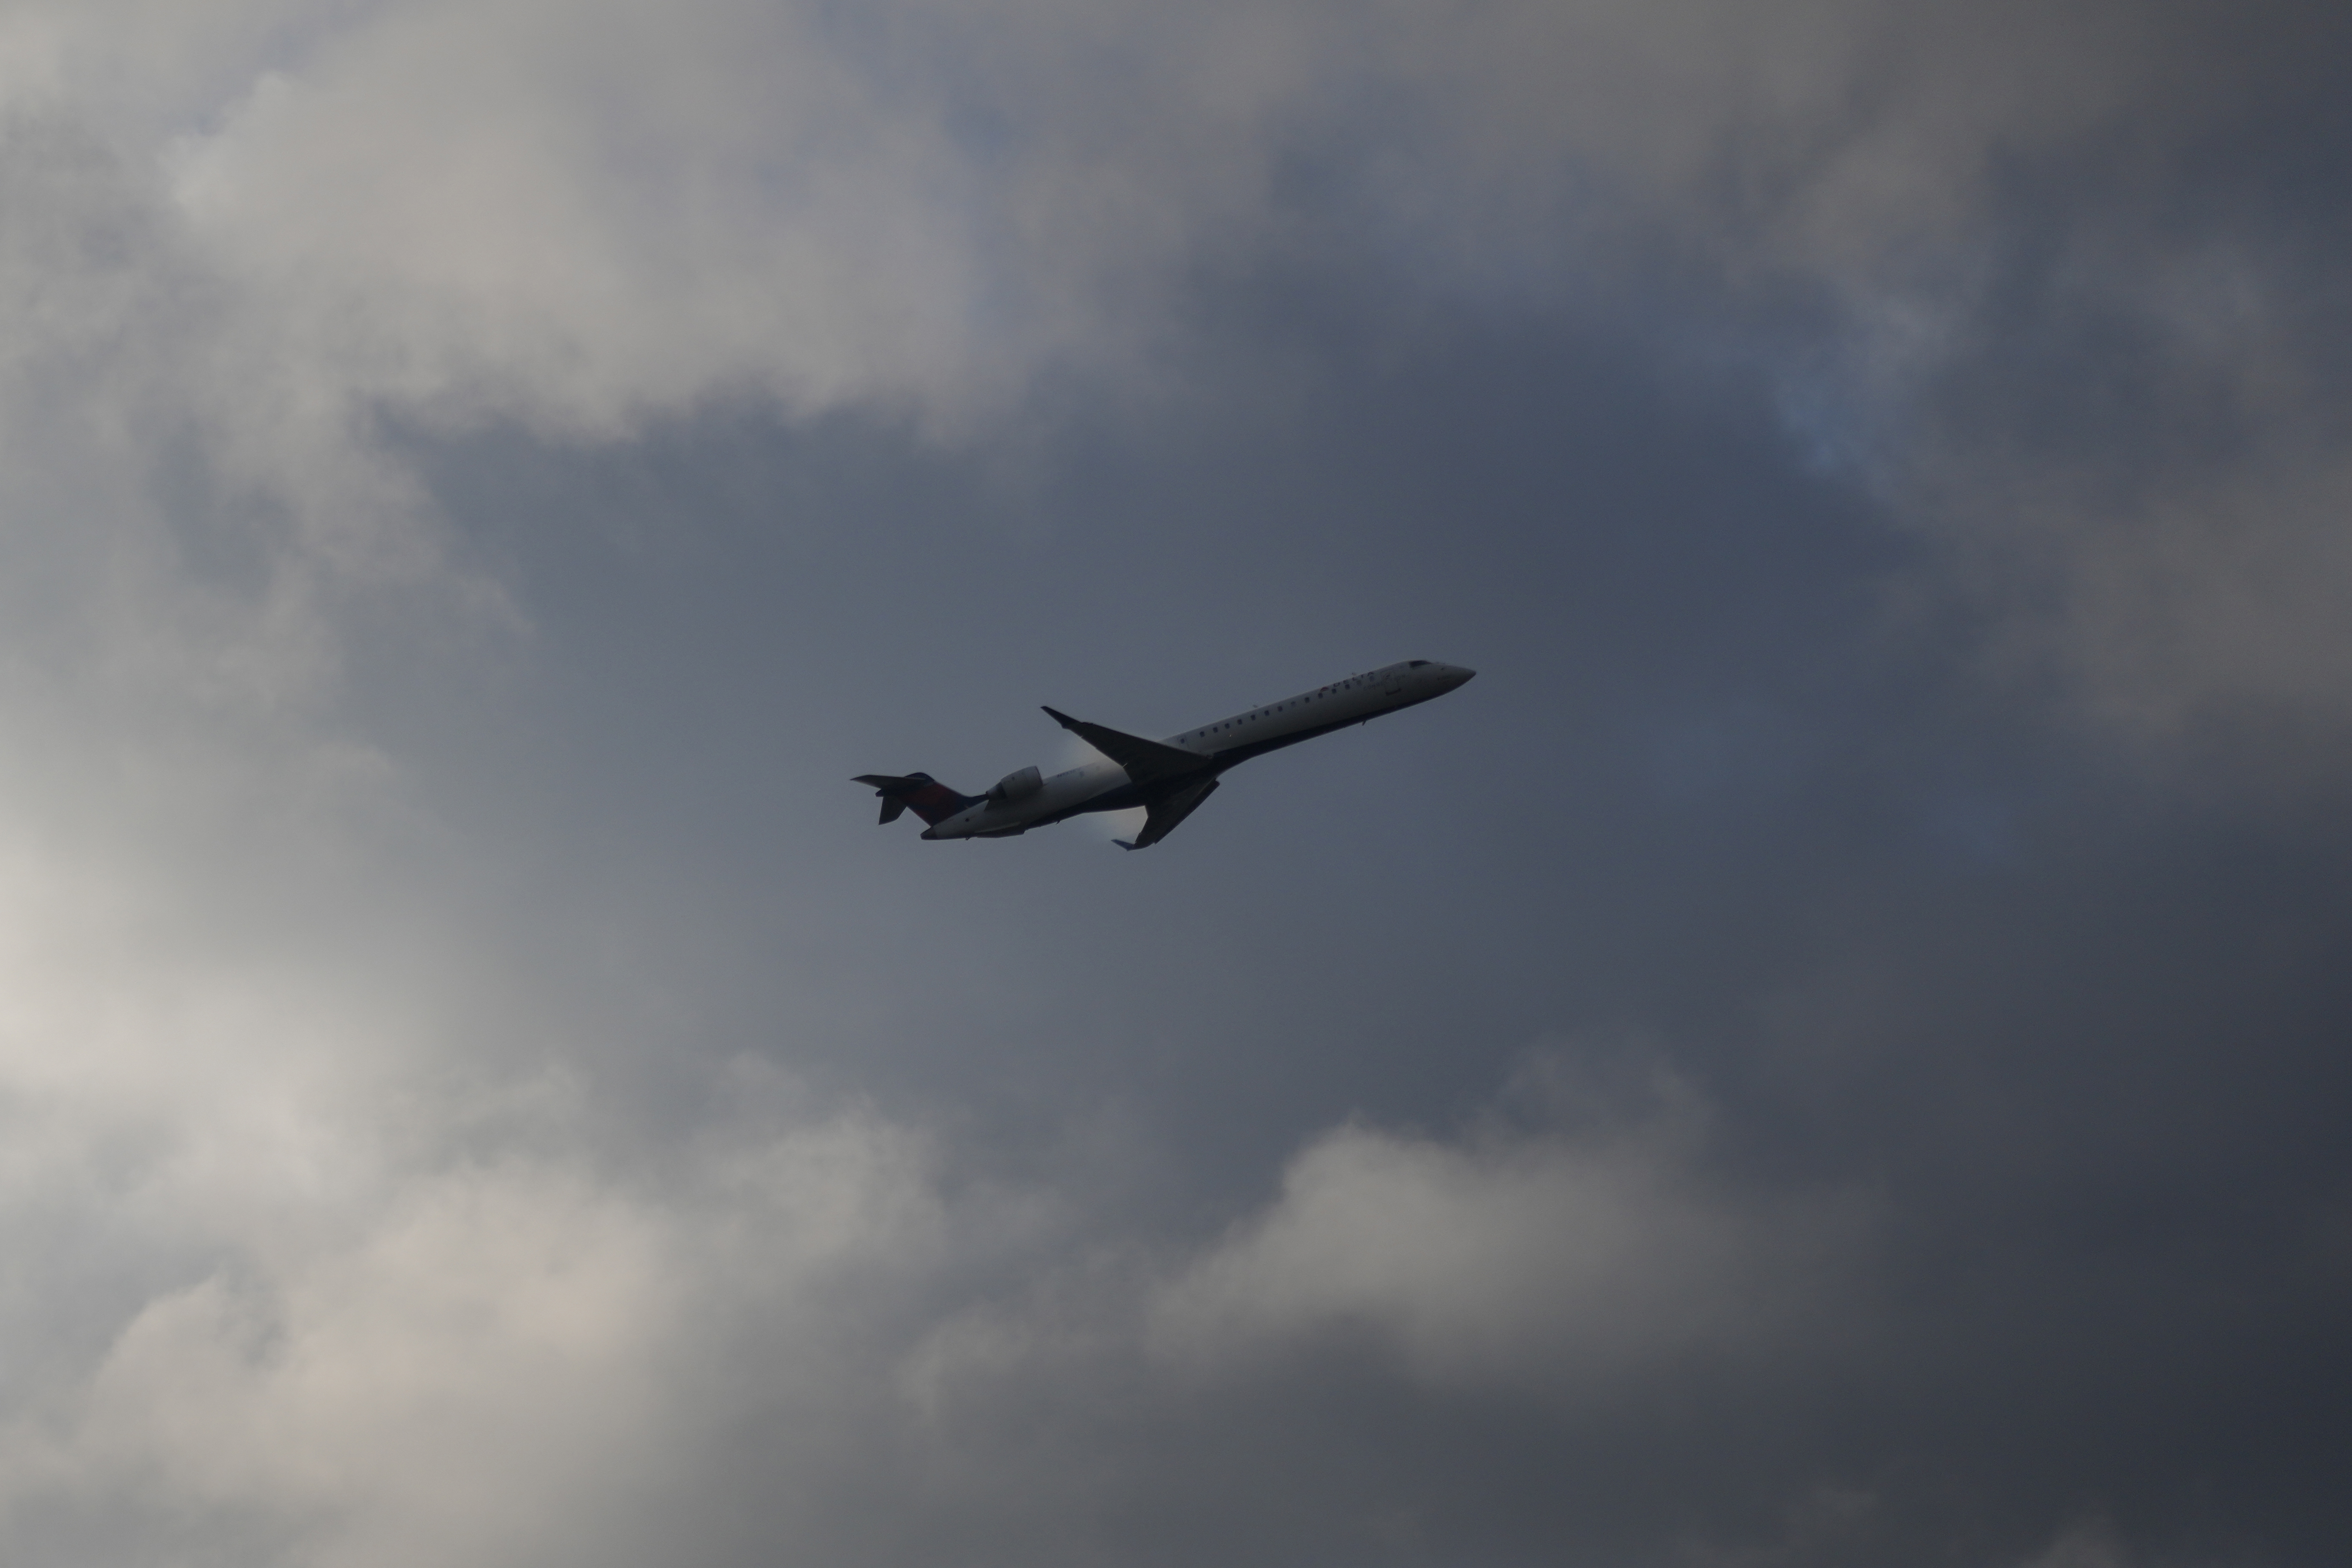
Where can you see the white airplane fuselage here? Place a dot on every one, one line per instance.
(1030, 799)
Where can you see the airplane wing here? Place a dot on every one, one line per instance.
(1143, 760)
(1165, 813)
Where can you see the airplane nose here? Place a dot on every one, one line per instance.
(1456, 676)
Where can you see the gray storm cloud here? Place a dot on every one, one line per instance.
(577, 219)
(326, 1254)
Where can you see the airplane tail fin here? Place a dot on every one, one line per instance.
(932, 801)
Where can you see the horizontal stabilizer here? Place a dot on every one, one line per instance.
(1144, 761)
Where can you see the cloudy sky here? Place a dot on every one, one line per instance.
(1831, 1052)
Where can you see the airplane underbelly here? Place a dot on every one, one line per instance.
(1068, 791)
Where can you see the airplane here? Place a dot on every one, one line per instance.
(1169, 778)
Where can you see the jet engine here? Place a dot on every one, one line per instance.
(1017, 786)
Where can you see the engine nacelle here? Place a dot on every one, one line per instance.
(1017, 786)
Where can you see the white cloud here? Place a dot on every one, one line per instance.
(578, 216)
(327, 1244)
(359, 1345)
(1517, 1258)
(2088, 1542)
(2191, 582)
